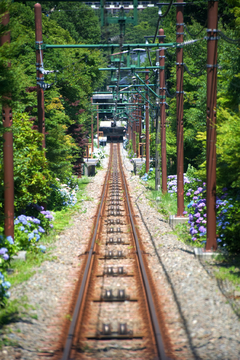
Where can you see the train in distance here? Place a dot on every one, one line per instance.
(112, 131)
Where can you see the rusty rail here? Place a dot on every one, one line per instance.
(156, 327)
(69, 341)
(86, 276)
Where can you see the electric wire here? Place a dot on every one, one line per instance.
(228, 39)
(199, 73)
(195, 35)
(160, 17)
(171, 96)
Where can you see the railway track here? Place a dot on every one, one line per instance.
(115, 315)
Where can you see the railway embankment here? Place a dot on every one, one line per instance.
(40, 305)
(200, 312)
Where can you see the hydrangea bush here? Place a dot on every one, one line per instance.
(227, 213)
(7, 249)
(4, 287)
(28, 230)
(98, 154)
(62, 195)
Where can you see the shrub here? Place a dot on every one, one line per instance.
(31, 175)
(62, 195)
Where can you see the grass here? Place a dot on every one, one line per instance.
(166, 204)
(14, 311)
(182, 232)
(23, 270)
(227, 268)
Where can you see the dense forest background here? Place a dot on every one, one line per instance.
(67, 102)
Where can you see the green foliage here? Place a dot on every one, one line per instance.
(31, 174)
(228, 148)
(81, 22)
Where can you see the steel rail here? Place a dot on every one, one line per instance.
(69, 341)
(153, 313)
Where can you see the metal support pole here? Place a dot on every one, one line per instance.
(180, 154)
(157, 155)
(92, 147)
(163, 112)
(211, 123)
(137, 126)
(147, 126)
(140, 122)
(97, 128)
(134, 128)
(40, 77)
(8, 153)
(158, 121)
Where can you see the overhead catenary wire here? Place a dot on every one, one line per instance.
(195, 35)
(199, 73)
(160, 17)
(228, 39)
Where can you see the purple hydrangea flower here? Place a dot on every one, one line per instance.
(190, 217)
(188, 193)
(5, 256)
(36, 221)
(184, 212)
(202, 229)
(3, 251)
(41, 230)
(197, 215)
(195, 198)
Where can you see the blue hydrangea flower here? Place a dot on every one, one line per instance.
(30, 236)
(10, 240)
(6, 284)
